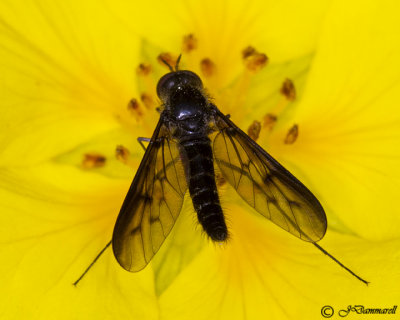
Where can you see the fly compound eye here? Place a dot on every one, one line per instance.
(189, 78)
(165, 84)
(173, 80)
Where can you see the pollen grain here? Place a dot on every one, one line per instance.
(254, 60)
(269, 121)
(207, 67)
(254, 130)
(219, 178)
(288, 90)
(93, 160)
(248, 51)
(143, 69)
(292, 135)
(190, 43)
(122, 154)
(134, 107)
(147, 100)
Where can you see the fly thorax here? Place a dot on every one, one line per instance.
(188, 111)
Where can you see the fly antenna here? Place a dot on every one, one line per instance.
(177, 62)
(167, 64)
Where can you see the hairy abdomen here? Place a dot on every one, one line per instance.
(202, 187)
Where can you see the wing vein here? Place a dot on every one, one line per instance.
(229, 157)
(264, 184)
(238, 155)
(153, 202)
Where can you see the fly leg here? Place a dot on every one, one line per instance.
(226, 164)
(141, 140)
(91, 264)
(124, 156)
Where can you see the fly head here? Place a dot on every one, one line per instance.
(185, 105)
(176, 81)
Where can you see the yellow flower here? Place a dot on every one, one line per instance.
(69, 74)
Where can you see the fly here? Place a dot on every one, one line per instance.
(191, 139)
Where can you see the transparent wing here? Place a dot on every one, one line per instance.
(152, 205)
(265, 185)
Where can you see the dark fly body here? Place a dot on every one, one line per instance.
(192, 139)
(188, 117)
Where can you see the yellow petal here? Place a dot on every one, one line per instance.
(175, 254)
(283, 30)
(52, 228)
(264, 93)
(105, 145)
(263, 272)
(67, 75)
(349, 124)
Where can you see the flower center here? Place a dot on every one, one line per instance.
(230, 97)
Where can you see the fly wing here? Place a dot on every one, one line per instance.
(152, 205)
(265, 185)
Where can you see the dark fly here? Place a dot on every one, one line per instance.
(191, 139)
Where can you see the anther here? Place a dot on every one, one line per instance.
(254, 130)
(288, 90)
(93, 160)
(269, 121)
(189, 43)
(134, 107)
(147, 100)
(207, 67)
(219, 178)
(248, 51)
(168, 58)
(122, 154)
(291, 136)
(143, 69)
(254, 60)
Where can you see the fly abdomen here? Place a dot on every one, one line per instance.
(203, 189)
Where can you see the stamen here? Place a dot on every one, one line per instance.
(254, 60)
(147, 100)
(189, 43)
(146, 83)
(143, 69)
(134, 108)
(122, 154)
(219, 178)
(254, 130)
(269, 121)
(291, 136)
(208, 67)
(288, 90)
(169, 58)
(248, 51)
(93, 160)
